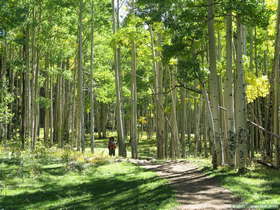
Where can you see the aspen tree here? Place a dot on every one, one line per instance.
(133, 134)
(120, 118)
(276, 87)
(229, 99)
(214, 88)
(240, 102)
(80, 107)
(91, 86)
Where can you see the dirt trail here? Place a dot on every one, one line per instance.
(194, 190)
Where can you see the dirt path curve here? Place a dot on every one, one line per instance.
(194, 190)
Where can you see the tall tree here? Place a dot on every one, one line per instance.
(158, 86)
(134, 135)
(229, 100)
(240, 101)
(276, 87)
(120, 118)
(213, 86)
(80, 107)
(91, 76)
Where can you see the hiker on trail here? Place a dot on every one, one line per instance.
(112, 146)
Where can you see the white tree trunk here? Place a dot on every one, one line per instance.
(240, 105)
(80, 81)
(214, 88)
(120, 118)
(229, 99)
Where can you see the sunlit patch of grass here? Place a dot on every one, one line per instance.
(258, 186)
(147, 148)
(33, 183)
(201, 162)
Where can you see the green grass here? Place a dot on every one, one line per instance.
(259, 186)
(50, 183)
(146, 147)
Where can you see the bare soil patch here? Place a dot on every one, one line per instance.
(194, 189)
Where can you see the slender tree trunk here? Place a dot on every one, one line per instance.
(51, 113)
(47, 113)
(183, 122)
(175, 150)
(134, 140)
(59, 111)
(120, 118)
(36, 110)
(92, 80)
(80, 80)
(214, 88)
(240, 105)
(158, 99)
(3, 81)
(198, 111)
(205, 129)
(33, 81)
(276, 88)
(229, 104)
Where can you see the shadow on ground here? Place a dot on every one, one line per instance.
(131, 190)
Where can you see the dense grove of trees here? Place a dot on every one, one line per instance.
(203, 76)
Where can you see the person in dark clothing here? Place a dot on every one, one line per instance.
(112, 146)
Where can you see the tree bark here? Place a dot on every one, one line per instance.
(276, 88)
(120, 118)
(80, 79)
(214, 88)
(92, 120)
(183, 122)
(229, 103)
(134, 140)
(240, 105)
(160, 120)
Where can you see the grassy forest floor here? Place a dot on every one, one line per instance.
(53, 178)
(49, 182)
(258, 188)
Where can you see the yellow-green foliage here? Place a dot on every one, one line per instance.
(256, 87)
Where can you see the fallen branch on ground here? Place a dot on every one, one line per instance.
(269, 165)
